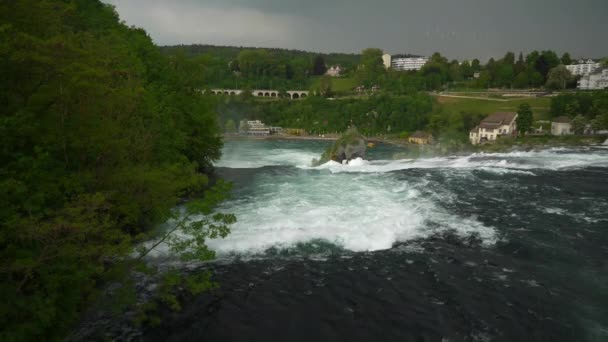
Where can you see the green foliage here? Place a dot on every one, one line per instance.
(371, 68)
(340, 85)
(318, 66)
(262, 69)
(578, 124)
(558, 77)
(101, 136)
(525, 118)
(318, 115)
(453, 106)
(588, 104)
(325, 86)
(230, 126)
(404, 135)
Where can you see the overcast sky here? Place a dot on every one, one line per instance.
(456, 28)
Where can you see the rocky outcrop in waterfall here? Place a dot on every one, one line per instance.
(349, 146)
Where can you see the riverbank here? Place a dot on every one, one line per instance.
(409, 150)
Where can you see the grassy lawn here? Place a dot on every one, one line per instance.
(337, 83)
(540, 105)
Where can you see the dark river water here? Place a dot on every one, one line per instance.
(483, 247)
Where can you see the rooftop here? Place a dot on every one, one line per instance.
(420, 134)
(498, 119)
(562, 119)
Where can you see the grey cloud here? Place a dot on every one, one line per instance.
(456, 28)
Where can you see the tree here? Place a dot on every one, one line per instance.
(520, 65)
(466, 70)
(476, 65)
(371, 67)
(558, 77)
(318, 66)
(230, 126)
(566, 60)
(603, 118)
(454, 72)
(504, 76)
(545, 62)
(536, 79)
(596, 124)
(521, 80)
(572, 109)
(578, 124)
(371, 58)
(326, 86)
(525, 118)
(509, 58)
(102, 137)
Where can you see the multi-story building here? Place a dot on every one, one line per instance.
(408, 63)
(595, 81)
(255, 127)
(583, 68)
(402, 63)
(386, 60)
(494, 126)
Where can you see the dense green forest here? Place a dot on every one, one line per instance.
(101, 137)
(255, 68)
(261, 68)
(588, 108)
(381, 114)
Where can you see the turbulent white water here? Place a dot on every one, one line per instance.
(553, 159)
(360, 206)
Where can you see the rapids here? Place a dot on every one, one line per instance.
(481, 247)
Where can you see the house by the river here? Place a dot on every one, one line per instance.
(494, 126)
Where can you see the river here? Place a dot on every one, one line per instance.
(483, 247)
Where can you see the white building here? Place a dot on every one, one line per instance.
(334, 71)
(386, 60)
(408, 63)
(561, 126)
(494, 126)
(583, 68)
(595, 81)
(255, 127)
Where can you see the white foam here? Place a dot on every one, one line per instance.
(363, 214)
(356, 205)
(500, 163)
(255, 154)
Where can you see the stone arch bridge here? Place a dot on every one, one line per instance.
(292, 94)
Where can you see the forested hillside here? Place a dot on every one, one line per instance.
(232, 52)
(260, 68)
(101, 135)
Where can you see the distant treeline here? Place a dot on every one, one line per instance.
(232, 52)
(258, 68)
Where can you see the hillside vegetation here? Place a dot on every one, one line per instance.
(101, 136)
